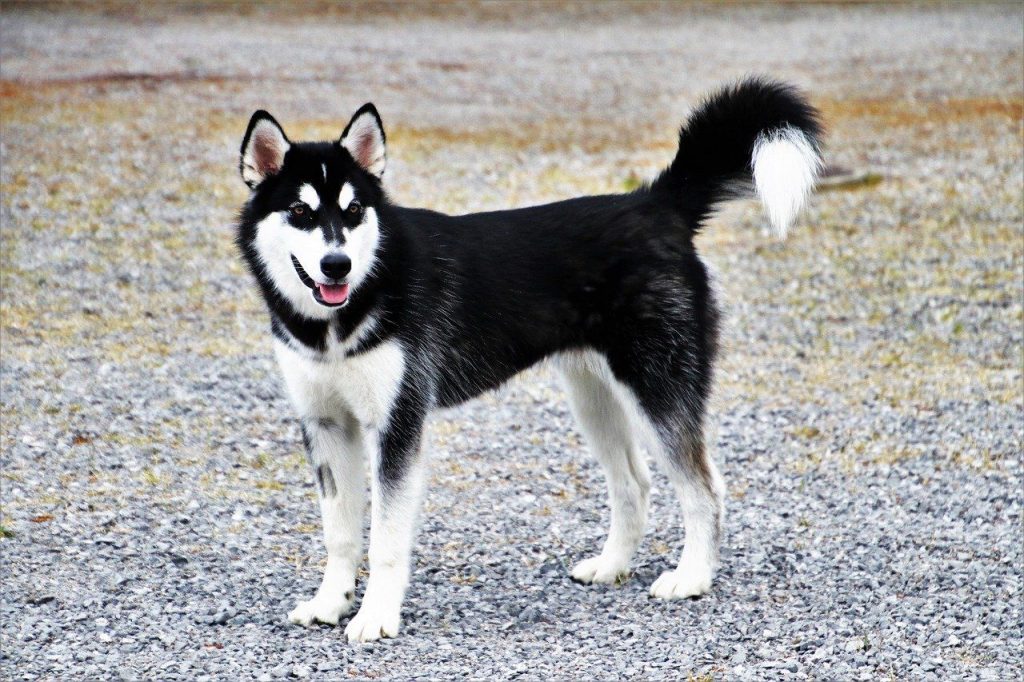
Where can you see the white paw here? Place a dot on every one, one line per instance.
(601, 569)
(682, 583)
(372, 623)
(322, 608)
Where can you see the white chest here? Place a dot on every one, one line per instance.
(363, 385)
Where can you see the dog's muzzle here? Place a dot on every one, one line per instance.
(329, 295)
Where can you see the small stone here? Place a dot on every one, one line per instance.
(531, 614)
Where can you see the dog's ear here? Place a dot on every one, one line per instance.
(364, 140)
(263, 149)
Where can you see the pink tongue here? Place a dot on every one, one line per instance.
(333, 293)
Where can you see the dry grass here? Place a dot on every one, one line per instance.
(922, 113)
(568, 12)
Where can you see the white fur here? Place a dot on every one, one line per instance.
(592, 362)
(699, 559)
(356, 336)
(685, 581)
(392, 530)
(786, 166)
(362, 388)
(277, 241)
(612, 420)
(376, 618)
(341, 448)
(364, 385)
(346, 195)
(328, 605)
(309, 197)
(267, 145)
(361, 244)
(608, 428)
(365, 142)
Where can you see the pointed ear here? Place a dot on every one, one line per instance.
(263, 149)
(364, 140)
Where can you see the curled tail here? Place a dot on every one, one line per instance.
(758, 130)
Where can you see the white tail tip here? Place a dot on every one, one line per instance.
(786, 166)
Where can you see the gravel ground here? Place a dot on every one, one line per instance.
(158, 520)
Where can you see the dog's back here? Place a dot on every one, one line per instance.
(498, 291)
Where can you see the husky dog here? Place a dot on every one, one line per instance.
(381, 313)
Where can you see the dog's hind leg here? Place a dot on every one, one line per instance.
(608, 429)
(667, 363)
(337, 454)
(701, 491)
(671, 392)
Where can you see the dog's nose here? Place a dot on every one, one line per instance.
(335, 265)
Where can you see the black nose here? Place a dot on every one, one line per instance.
(335, 265)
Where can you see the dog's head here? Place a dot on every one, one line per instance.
(310, 228)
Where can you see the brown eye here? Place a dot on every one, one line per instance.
(298, 209)
(355, 207)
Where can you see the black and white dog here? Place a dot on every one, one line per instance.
(381, 313)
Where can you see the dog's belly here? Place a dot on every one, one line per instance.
(454, 389)
(464, 377)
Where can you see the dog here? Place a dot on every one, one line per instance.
(381, 313)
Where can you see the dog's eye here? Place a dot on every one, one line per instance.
(355, 208)
(298, 208)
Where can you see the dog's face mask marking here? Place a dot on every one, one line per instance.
(317, 230)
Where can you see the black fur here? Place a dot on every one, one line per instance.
(325, 481)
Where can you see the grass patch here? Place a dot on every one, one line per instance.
(916, 113)
(863, 181)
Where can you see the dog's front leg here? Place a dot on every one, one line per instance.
(396, 490)
(337, 454)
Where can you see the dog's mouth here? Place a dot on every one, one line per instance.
(329, 295)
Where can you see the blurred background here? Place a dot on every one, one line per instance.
(158, 518)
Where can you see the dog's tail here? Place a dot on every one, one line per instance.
(757, 130)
